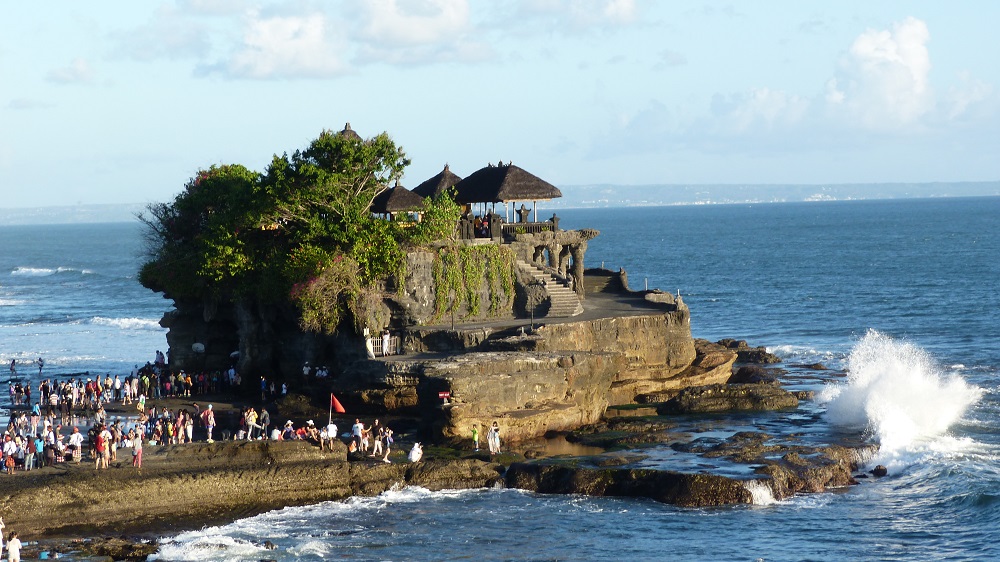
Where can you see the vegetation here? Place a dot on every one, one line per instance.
(459, 274)
(300, 232)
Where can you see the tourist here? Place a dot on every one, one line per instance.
(209, 418)
(263, 421)
(76, 444)
(493, 439)
(386, 341)
(331, 433)
(99, 449)
(13, 548)
(388, 443)
(136, 449)
(288, 434)
(416, 453)
(9, 453)
(357, 432)
(475, 436)
(377, 444)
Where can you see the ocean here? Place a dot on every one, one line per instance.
(900, 294)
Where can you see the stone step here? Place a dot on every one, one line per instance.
(563, 301)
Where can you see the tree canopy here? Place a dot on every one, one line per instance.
(299, 232)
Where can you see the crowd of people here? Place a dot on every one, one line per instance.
(48, 431)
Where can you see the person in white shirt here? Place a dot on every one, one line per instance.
(14, 548)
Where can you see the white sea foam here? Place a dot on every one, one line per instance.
(760, 491)
(127, 323)
(897, 392)
(805, 353)
(11, 302)
(206, 545)
(33, 271)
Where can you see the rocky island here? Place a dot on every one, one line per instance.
(410, 306)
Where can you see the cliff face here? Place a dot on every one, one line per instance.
(559, 378)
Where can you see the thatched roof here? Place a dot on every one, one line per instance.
(348, 132)
(397, 199)
(438, 184)
(504, 182)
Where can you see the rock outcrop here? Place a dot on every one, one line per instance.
(729, 398)
(676, 488)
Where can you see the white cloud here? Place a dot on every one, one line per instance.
(422, 22)
(423, 32)
(286, 47)
(969, 98)
(884, 79)
(169, 35)
(78, 72)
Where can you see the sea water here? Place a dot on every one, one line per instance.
(898, 298)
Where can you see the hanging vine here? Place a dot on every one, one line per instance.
(460, 273)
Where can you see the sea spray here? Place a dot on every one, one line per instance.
(898, 393)
(760, 492)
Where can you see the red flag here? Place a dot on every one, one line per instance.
(335, 404)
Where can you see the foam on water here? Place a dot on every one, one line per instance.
(760, 491)
(127, 323)
(33, 271)
(905, 400)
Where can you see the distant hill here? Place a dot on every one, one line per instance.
(604, 195)
(71, 214)
(600, 195)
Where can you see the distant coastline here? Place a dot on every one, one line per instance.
(598, 196)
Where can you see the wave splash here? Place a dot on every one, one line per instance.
(898, 393)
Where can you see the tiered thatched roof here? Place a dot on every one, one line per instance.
(397, 199)
(501, 183)
(440, 183)
(349, 133)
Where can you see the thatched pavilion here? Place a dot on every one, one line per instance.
(505, 183)
(438, 184)
(396, 199)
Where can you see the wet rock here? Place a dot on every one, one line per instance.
(747, 354)
(879, 471)
(689, 490)
(729, 398)
(754, 374)
(811, 366)
(117, 548)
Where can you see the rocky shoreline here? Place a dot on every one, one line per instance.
(187, 487)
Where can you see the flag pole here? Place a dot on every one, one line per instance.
(329, 418)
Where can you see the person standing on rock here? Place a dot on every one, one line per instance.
(209, 418)
(13, 548)
(357, 431)
(475, 436)
(137, 451)
(263, 421)
(493, 439)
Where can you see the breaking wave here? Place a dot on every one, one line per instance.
(897, 393)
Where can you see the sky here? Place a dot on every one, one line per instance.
(124, 101)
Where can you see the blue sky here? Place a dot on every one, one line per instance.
(122, 102)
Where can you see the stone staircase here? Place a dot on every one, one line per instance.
(562, 298)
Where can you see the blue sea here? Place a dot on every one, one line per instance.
(899, 298)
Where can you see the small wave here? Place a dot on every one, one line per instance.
(896, 391)
(126, 323)
(11, 302)
(760, 492)
(33, 272)
(805, 353)
(207, 545)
